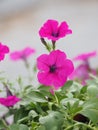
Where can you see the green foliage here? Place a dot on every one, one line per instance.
(72, 107)
(2, 124)
(18, 127)
(53, 121)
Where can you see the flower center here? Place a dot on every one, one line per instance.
(55, 34)
(53, 68)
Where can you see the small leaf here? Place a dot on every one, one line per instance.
(92, 91)
(67, 85)
(32, 114)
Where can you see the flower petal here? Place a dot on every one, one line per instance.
(42, 62)
(56, 57)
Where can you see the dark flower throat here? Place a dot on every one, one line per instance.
(53, 68)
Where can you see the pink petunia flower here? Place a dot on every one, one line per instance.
(54, 69)
(22, 54)
(85, 56)
(53, 31)
(3, 50)
(9, 101)
(81, 72)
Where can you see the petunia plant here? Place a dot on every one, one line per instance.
(65, 97)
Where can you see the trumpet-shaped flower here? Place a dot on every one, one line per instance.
(53, 31)
(3, 50)
(83, 70)
(86, 56)
(81, 73)
(9, 101)
(22, 54)
(54, 68)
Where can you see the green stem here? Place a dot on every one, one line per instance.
(53, 44)
(5, 125)
(27, 66)
(77, 124)
(45, 44)
(57, 101)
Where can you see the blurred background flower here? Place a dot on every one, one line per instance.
(84, 69)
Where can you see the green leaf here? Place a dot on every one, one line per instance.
(70, 100)
(83, 90)
(41, 128)
(14, 127)
(67, 85)
(20, 113)
(2, 124)
(36, 96)
(53, 121)
(32, 114)
(90, 109)
(34, 125)
(92, 91)
(23, 127)
(18, 127)
(72, 105)
(44, 90)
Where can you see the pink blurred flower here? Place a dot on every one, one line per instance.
(22, 54)
(9, 101)
(81, 73)
(86, 56)
(54, 69)
(3, 50)
(52, 30)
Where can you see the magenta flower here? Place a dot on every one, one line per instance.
(9, 101)
(3, 50)
(54, 69)
(53, 31)
(86, 56)
(22, 54)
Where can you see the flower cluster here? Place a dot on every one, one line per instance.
(66, 97)
(83, 71)
(54, 68)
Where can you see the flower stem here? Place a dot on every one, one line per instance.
(77, 124)
(45, 43)
(57, 101)
(5, 124)
(53, 43)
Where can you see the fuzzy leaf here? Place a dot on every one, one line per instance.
(53, 121)
(90, 109)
